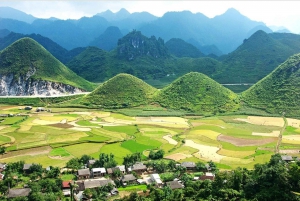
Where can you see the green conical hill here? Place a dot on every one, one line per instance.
(26, 56)
(123, 90)
(279, 91)
(197, 93)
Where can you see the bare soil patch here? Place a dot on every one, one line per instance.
(267, 121)
(178, 156)
(289, 151)
(80, 128)
(293, 122)
(31, 151)
(245, 142)
(170, 139)
(205, 151)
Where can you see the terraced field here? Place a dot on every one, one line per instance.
(230, 141)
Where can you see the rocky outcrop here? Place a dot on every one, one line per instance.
(26, 86)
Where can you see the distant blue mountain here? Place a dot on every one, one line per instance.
(11, 13)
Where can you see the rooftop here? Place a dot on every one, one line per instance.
(128, 177)
(175, 185)
(18, 192)
(84, 172)
(188, 164)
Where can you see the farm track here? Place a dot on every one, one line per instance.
(280, 135)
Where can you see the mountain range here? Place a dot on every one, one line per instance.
(223, 33)
(27, 68)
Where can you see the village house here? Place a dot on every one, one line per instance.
(287, 158)
(174, 185)
(91, 163)
(128, 179)
(66, 188)
(2, 167)
(18, 192)
(120, 168)
(207, 175)
(40, 109)
(28, 108)
(84, 173)
(98, 172)
(1, 176)
(156, 179)
(26, 168)
(189, 165)
(95, 183)
(138, 167)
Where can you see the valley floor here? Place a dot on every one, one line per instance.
(53, 138)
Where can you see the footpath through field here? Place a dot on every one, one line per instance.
(280, 135)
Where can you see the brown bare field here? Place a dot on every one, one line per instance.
(31, 151)
(240, 142)
(267, 121)
(178, 156)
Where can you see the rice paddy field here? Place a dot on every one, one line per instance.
(230, 141)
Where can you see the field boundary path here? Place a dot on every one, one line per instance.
(280, 135)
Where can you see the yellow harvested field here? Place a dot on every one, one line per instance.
(267, 121)
(246, 142)
(171, 132)
(293, 122)
(238, 161)
(80, 129)
(2, 127)
(205, 152)
(66, 137)
(101, 114)
(178, 120)
(82, 113)
(24, 128)
(235, 154)
(207, 133)
(44, 122)
(273, 134)
(178, 156)
(170, 139)
(291, 139)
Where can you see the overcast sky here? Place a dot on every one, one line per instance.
(278, 13)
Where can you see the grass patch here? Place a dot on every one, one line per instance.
(67, 177)
(86, 123)
(119, 151)
(4, 139)
(11, 120)
(59, 152)
(78, 150)
(133, 146)
(129, 130)
(133, 188)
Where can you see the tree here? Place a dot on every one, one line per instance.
(74, 164)
(213, 166)
(2, 150)
(156, 155)
(200, 166)
(85, 159)
(131, 159)
(106, 160)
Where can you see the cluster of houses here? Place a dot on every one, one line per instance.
(88, 178)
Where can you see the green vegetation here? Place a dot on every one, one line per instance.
(59, 152)
(27, 56)
(120, 91)
(134, 146)
(279, 92)
(133, 188)
(180, 48)
(196, 92)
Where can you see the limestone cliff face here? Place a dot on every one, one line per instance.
(25, 86)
